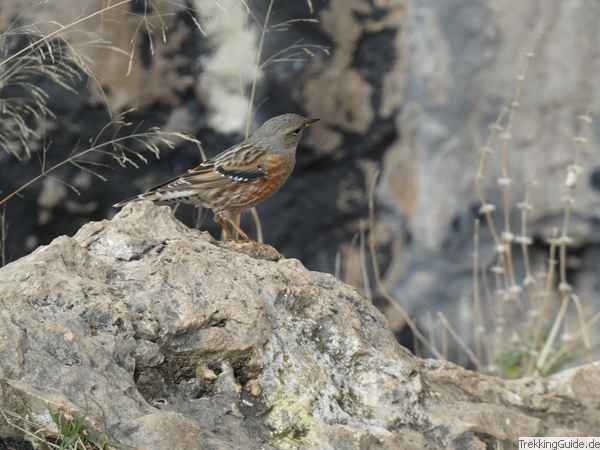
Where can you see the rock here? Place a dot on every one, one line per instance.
(12, 444)
(162, 338)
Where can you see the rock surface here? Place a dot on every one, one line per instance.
(163, 338)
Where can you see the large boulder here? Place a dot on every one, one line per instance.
(162, 338)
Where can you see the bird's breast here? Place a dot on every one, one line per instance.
(278, 167)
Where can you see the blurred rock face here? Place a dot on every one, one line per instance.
(464, 57)
(409, 87)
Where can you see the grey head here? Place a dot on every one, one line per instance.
(281, 134)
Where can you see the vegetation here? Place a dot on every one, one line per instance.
(65, 432)
(72, 434)
(527, 322)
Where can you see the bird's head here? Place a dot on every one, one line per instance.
(283, 133)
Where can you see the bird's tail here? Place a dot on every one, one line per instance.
(156, 196)
(161, 195)
(151, 196)
(171, 191)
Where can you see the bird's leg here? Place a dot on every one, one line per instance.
(236, 219)
(238, 231)
(229, 223)
(232, 218)
(223, 222)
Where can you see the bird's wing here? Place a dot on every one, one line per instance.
(238, 164)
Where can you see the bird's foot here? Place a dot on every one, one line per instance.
(255, 250)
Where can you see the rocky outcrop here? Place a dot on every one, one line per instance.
(162, 338)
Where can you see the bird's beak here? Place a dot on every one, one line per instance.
(309, 122)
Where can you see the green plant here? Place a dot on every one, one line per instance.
(72, 434)
(69, 433)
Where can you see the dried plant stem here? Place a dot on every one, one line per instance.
(98, 148)
(533, 339)
(257, 225)
(260, 65)
(296, 52)
(265, 28)
(3, 236)
(580, 335)
(487, 209)
(550, 276)
(529, 282)
(477, 315)
(461, 343)
(541, 361)
(363, 263)
(546, 295)
(431, 332)
(545, 360)
(505, 181)
(381, 289)
(337, 266)
(583, 326)
(251, 100)
(525, 241)
(8, 417)
(506, 285)
(61, 29)
(310, 6)
(444, 339)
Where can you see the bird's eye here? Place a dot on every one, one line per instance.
(297, 131)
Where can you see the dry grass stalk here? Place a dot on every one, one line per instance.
(380, 286)
(3, 232)
(478, 327)
(23, 103)
(126, 150)
(460, 341)
(250, 111)
(258, 59)
(60, 31)
(534, 348)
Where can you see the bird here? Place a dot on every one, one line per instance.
(239, 177)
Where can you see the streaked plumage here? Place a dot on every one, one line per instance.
(241, 176)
